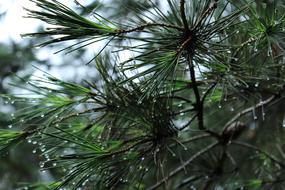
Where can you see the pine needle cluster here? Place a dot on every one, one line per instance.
(154, 120)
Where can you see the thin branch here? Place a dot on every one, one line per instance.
(189, 180)
(127, 148)
(183, 111)
(177, 97)
(184, 44)
(181, 167)
(196, 138)
(199, 105)
(183, 15)
(250, 109)
(78, 113)
(205, 14)
(189, 122)
(208, 91)
(148, 25)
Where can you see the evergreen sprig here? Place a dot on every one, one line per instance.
(68, 24)
(121, 130)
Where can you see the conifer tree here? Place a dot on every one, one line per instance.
(189, 95)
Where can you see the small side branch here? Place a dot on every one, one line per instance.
(250, 109)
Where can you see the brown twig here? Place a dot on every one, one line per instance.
(148, 25)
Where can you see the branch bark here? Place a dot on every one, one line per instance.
(183, 15)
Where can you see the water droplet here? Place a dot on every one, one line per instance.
(46, 156)
(254, 114)
(12, 115)
(29, 141)
(34, 151)
(140, 167)
(262, 110)
(179, 105)
(43, 149)
(269, 52)
(283, 123)
(142, 158)
(256, 84)
(42, 164)
(220, 106)
(232, 109)
(54, 164)
(10, 126)
(35, 142)
(42, 115)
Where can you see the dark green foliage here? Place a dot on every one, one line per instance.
(154, 119)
